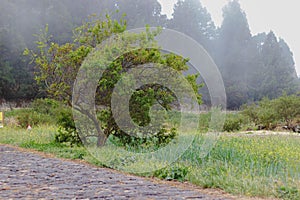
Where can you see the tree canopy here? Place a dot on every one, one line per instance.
(57, 67)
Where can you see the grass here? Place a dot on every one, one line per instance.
(264, 166)
(41, 139)
(254, 166)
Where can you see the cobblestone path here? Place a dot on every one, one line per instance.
(25, 175)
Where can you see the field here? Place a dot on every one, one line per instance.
(244, 164)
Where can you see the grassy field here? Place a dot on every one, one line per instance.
(264, 166)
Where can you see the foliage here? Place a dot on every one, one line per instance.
(67, 132)
(270, 113)
(287, 108)
(39, 112)
(46, 106)
(58, 66)
(253, 166)
(267, 115)
(146, 143)
(232, 123)
(253, 66)
(30, 117)
(174, 172)
(191, 18)
(251, 112)
(139, 13)
(288, 193)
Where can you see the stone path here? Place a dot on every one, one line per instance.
(25, 175)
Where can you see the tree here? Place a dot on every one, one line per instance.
(16, 76)
(233, 47)
(278, 73)
(58, 66)
(6, 79)
(139, 13)
(287, 108)
(194, 20)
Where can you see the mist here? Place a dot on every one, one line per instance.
(252, 66)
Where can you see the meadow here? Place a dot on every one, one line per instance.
(243, 164)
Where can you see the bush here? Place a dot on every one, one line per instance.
(46, 106)
(232, 123)
(290, 193)
(287, 108)
(269, 113)
(139, 139)
(67, 132)
(175, 172)
(251, 113)
(40, 112)
(153, 142)
(30, 117)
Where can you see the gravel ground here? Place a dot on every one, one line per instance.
(27, 175)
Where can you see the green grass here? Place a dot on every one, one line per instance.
(42, 139)
(264, 166)
(254, 166)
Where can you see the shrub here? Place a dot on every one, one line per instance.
(287, 108)
(251, 112)
(163, 137)
(267, 117)
(140, 139)
(290, 193)
(269, 113)
(41, 111)
(175, 172)
(67, 132)
(46, 106)
(30, 117)
(232, 123)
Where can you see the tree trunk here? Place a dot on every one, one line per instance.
(101, 140)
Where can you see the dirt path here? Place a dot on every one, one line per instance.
(262, 133)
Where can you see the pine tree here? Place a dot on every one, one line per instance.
(191, 18)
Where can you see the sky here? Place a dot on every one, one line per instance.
(279, 16)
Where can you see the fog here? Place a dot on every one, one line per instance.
(252, 65)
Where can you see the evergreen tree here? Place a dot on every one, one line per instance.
(278, 70)
(191, 18)
(233, 46)
(139, 13)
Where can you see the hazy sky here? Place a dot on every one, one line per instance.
(263, 15)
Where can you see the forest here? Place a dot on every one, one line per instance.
(252, 66)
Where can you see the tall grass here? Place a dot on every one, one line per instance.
(42, 139)
(254, 166)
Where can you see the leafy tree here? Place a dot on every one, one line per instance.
(58, 66)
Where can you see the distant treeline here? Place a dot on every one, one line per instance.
(252, 66)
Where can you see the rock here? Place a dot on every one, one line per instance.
(296, 129)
